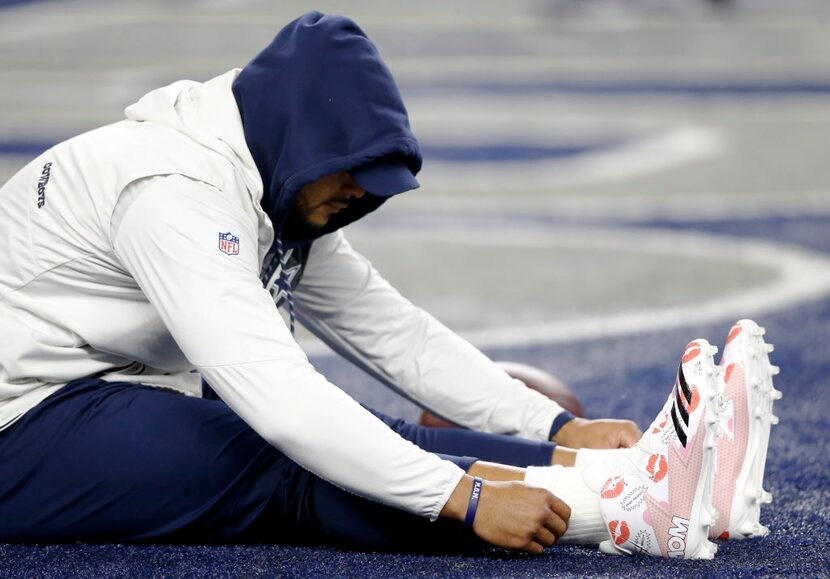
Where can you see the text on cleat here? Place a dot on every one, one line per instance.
(676, 545)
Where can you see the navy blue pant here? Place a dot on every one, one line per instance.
(117, 462)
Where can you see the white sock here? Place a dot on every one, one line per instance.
(586, 526)
(587, 456)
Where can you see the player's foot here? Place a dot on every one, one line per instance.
(659, 499)
(745, 427)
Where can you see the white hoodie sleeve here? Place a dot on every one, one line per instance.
(345, 302)
(227, 325)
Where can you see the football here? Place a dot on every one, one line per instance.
(533, 377)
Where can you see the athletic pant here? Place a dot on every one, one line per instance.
(117, 462)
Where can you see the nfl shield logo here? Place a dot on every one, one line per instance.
(228, 243)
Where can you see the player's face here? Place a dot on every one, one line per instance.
(317, 201)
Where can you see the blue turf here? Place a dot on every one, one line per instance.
(624, 377)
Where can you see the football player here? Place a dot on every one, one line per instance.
(164, 243)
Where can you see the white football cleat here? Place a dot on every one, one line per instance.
(658, 500)
(745, 428)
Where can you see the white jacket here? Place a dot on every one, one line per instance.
(111, 266)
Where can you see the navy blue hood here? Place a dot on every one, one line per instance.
(319, 100)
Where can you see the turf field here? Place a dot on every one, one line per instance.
(604, 181)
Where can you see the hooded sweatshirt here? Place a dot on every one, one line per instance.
(316, 101)
(137, 251)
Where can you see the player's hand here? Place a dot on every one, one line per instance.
(514, 515)
(603, 433)
(517, 516)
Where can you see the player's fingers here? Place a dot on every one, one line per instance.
(555, 524)
(559, 508)
(629, 434)
(535, 548)
(556, 518)
(544, 537)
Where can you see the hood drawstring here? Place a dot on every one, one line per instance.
(285, 284)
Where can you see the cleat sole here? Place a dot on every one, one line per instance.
(697, 544)
(746, 506)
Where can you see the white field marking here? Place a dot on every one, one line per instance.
(801, 276)
(27, 23)
(545, 202)
(448, 118)
(511, 69)
(76, 16)
(36, 21)
(418, 23)
(517, 18)
(225, 4)
(655, 144)
(649, 154)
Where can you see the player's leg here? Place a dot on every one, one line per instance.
(334, 516)
(496, 448)
(102, 461)
(117, 462)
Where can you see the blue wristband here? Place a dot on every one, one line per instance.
(559, 422)
(472, 507)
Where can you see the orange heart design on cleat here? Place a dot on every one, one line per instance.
(660, 426)
(734, 333)
(619, 531)
(692, 351)
(657, 467)
(728, 374)
(691, 406)
(613, 487)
